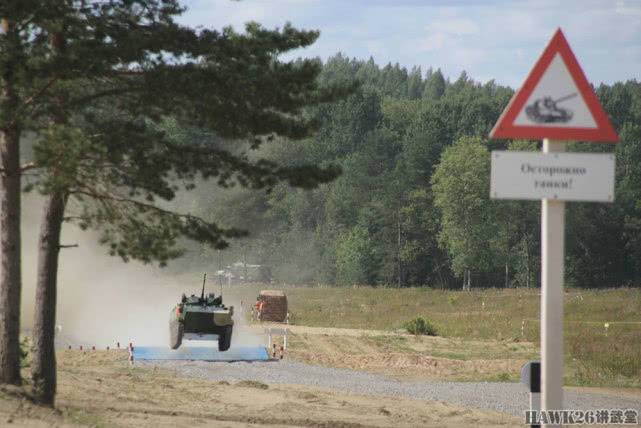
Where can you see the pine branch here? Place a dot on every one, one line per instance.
(102, 94)
(33, 98)
(24, 167)
(146, 206)
(28, 166)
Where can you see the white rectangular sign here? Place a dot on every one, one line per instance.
(560, 176)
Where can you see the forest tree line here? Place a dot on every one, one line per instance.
(412, 206)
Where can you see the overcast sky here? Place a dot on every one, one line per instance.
(497, 39)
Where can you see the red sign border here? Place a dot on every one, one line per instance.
(505, 128)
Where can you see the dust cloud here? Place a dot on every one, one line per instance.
(102, 300)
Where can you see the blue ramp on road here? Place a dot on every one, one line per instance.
(242, 353)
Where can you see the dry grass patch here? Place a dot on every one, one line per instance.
(414, 357)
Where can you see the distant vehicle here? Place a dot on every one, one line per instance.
(239, 273)
(545, 110)
(201, 318)
(271, 305)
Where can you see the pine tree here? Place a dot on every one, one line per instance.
(434, 86)
(415, 83)
(104, 80)
(13, 100)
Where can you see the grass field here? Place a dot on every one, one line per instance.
(409, 357)
(594, 356)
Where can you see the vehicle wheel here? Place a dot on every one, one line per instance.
(175, 333)
(224, 339)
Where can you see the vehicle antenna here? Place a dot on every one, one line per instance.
(220, 270)
(202, 294)
(220, 280)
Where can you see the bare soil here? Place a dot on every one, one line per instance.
(99, 388)
(406, 356)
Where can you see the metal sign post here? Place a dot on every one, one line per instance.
(552, 270)
(555, 102)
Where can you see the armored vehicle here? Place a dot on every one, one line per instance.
(546, 110)
(201, 318)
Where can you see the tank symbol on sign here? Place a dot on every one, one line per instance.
(545, 110)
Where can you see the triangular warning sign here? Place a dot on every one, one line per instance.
(556, 101)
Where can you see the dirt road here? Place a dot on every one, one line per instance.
(359, 378)
(494, 396)
(99, 389)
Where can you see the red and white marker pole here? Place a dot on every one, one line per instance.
(131, 353)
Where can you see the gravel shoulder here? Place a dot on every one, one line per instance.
(511, 398)
(100, 389)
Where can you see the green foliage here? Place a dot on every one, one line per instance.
(420, 326)
(468, 219)
(387, 142)
(504, 377)
(25, 349)
(356, 258)
(130, 107)
(434, 86)
(415, 178)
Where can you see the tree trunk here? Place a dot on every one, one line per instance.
(43, 362)
(527, 263)
(245, 263)
(398, 251)
(507, 276)
(10, 277)
(467, 279)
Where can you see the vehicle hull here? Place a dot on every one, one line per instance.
(201, 323)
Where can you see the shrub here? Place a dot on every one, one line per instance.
(503, 377)
(25, 346)
(420, 326)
